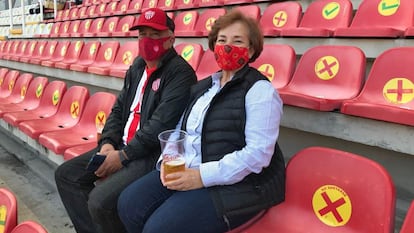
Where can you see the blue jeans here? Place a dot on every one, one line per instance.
(147, 206)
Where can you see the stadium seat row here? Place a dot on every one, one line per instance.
(37, 107)
(322, 18)
(9, 216)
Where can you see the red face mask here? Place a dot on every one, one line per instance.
(230, 57)
(152, 49)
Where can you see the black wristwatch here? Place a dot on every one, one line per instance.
(122, 158)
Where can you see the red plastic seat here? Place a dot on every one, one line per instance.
(90, 12)
(3, 72)
(121, 8)
(277, 63)
(8, 210)
(238, 2)
(7, 83)
(148, 4)
(29, 227)
(247, 224)
(123, 26)
(3, 46)
(324, 195)
(408, 225)
(186, 4)
(59, 15)
(110, 9)
(48, 105)
(73, 28)
(75, 151)
(322, 18)
(72, 55)
(191, 52)
(209, 3)
(66, 14)
(104, 58)
(83, 28)
(251, 10)
(14, 50)
(380, 19)
(388, 89)
(99, 10)
(325, 77)
(73, 14)
(54, 32)
(108, 27)
(82, 12)
(58, 54)
(279, 16)
(31, 99)
(22, 46)
(205, 21)
(37, 52)
(134, 7)
(19, 89)
(87, 56)
(95, 28)
(47, 53)
(29, 50)
(185, 22)
(7, 48)
(68, 114)
(203, 71)
(123, 59)
(96, 111)
(167, 5)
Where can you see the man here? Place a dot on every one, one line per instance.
(155, 91)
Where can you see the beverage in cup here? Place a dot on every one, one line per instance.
(172, 150)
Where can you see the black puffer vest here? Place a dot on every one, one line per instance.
(223, 133)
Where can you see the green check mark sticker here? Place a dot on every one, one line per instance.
(331, 10)
(187, 18)
(55, 98)
(188, 52)
(388, 7)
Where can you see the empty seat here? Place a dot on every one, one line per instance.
(191, 52)
(47, 53)
(326, 75)
(324, 194)
(209, 3)
(67, 115)
(28, 52)
(90, 12)
(95, 28)
(37, 53)
(121, 7)
(31, 99)
(72, 55)
(250, 10)
(388, 89)
(53, 31)
(134, 7)
(185, 22)
(99, 10)
(48, 105)
(104, 58)
(337, 14)
(167, 5)
(18, 89)
(149, 4)
(380, 19)
(97, 109)
(123, 26)
(276, 62)
(8, 210)
(203, 71)
(75, 151)
(205, 22)
(123, 59)
(14, 50)
(84, 27)
(29, 227)
(82, 13)
(7, 83)
(22, 46)
(280, 15)
(73, 28)
(408, 225)
(108, 27)
(87, 56)
(186, 4)
(58, 54)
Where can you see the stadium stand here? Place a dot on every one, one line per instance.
(67, 115)
(28, 52)
(19, 89)
(8, 82)
(328, 197)
(325, 77)
(29, 227)
(321, 19)
(388, 89)
(408, 225)
(8, 210)
(71, 56)
(58, 54)
(37, 53)
(191, 52)
(87, 56)
(95, 28)
(47, 54)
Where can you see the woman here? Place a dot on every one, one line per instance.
(235, 168)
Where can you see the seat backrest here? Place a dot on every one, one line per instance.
(73, 14)
(35, 90)
(64, 28)
(111, 8)
(52, 96)
(97, 110)
(134, 6)
(30, 48)
(3, 72)
(8, 83)
(106, 54)
(203, 71)
(126, 55)
(280, 15)
(20, 86)
(408, 225)
(396, 14)
(251, 10)
(166, 5)
(39, 49)
(8, 210)
(390, 81)
(96, 25)
(207, 18)
(122, 7)
(90, 11)
(277, 62)
(83, 27)
(17, 46)
(73, 51)
(149, 4)
(88, 52)
(49, 49)
(29, 227)
(328, 14)
(125, 23)
(333, 72)
(191, 52)
(110, 24)
(55, 28)
(185, 21)
(60, 50)
(74, 26)
(82, 12)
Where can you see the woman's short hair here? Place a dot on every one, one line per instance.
(255, 34)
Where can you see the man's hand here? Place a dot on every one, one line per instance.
(111, 164)
(106, 148)
(182, 181)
